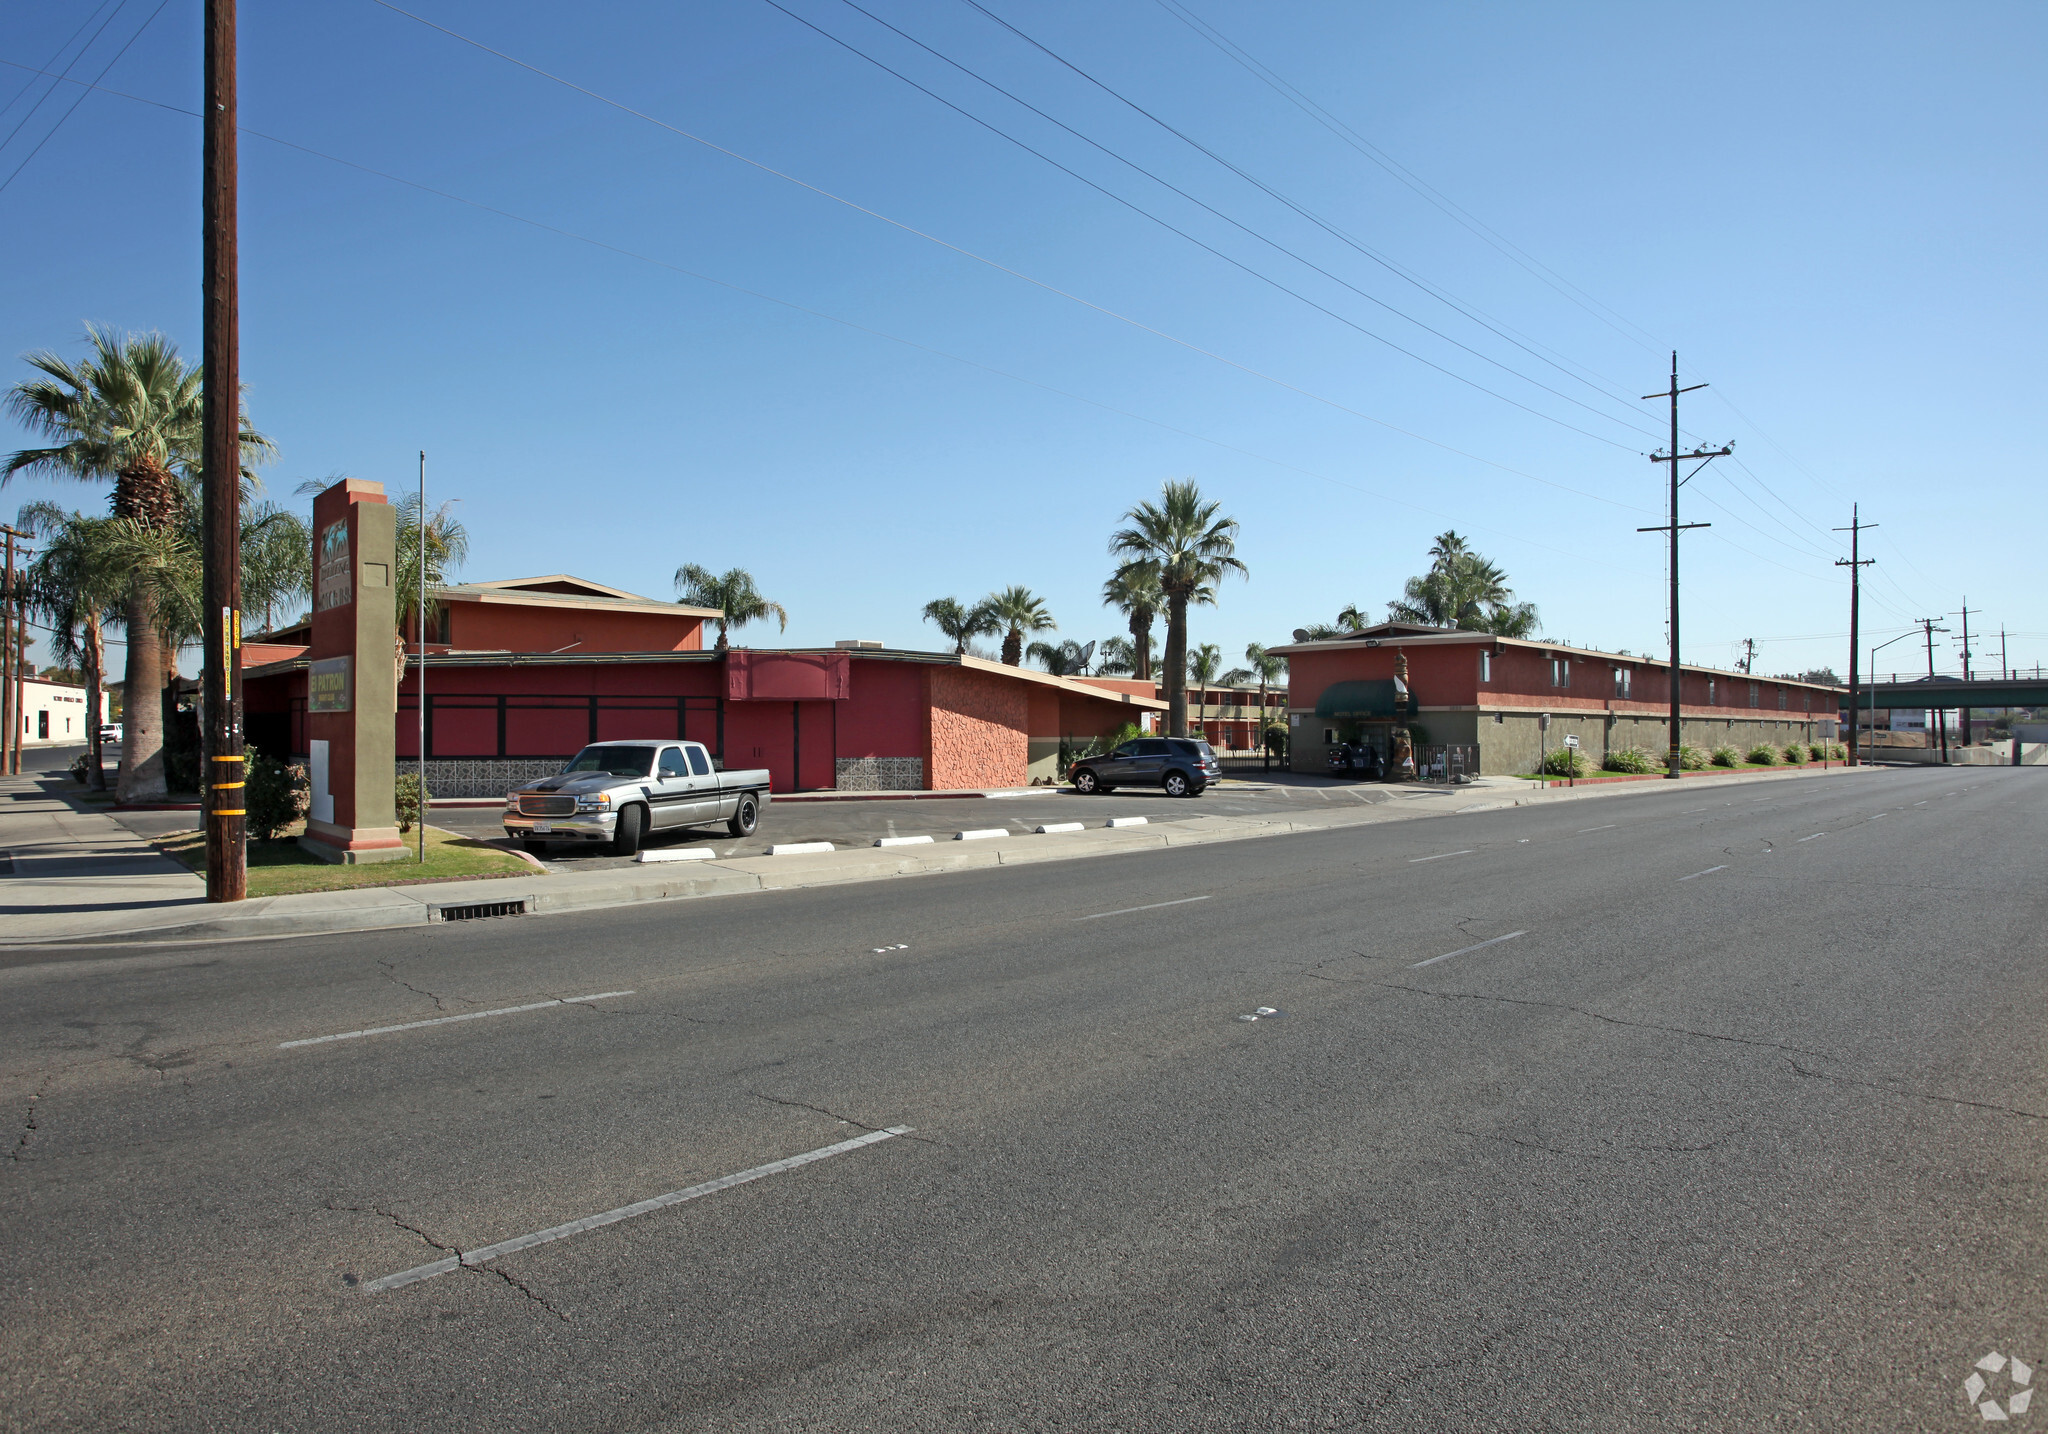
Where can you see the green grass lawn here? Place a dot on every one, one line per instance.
(282, 868)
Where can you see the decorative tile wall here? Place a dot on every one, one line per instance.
(480, 776)
(880, 774)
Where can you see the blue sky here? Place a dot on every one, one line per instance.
(1834, 212)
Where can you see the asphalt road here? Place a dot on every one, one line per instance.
(858, 823)
(1702, 1109)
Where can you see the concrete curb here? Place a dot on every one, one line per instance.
(379, 908)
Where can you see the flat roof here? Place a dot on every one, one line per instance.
(1436, 637)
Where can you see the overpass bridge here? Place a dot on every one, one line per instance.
(1953, 693)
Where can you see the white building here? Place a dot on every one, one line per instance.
(54, 714)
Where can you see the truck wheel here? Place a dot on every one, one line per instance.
(745, 817)
(1176, 784)
(626, 837)
(1085, 783)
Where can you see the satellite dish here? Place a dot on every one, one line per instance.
(1301, 634)
(1087, 654)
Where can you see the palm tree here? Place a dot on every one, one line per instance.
(130, 413)
(1353, 619)
(1116, 654)
(277, 561)
(1203, 665)
(1067, 659)
(738, 601)
(1182, 543)
(1267, 669)
(1463, 590)
(1017, 611)
(1134, 592)
(77, 586)
(962, 624)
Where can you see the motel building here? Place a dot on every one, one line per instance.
(1475, 690)
(522, 674)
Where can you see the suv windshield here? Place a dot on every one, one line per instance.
(618, 761)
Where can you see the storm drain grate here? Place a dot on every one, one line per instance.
(480, 910)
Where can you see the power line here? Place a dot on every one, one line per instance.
(966, 253)
(610, 248)
(1409, 178)
(1268, 190)
(118, 7)
(83, 93)
(1211, 209)
(49, 64)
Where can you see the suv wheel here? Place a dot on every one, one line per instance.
(1085, 783)
(1176, 784)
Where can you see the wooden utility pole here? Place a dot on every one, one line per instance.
(1940, 713)
(1967, 673)
(1855, 563)
(1674, 527)
(10, 707)
(227, 874)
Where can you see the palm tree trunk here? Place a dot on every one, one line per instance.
(1013, 647)
(1141, 644)
(141, 778)
(1176, 663)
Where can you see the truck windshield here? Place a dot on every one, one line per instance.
(618, 761)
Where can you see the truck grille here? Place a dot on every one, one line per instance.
(540, 806)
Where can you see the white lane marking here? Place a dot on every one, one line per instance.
(1708, 872)
(1881, 814)
(1690, 810)
(1153, 907)
(1441, 855)
(450, 1020)
(1815, 837)
(1608, 828)
(486, 1253)
(1465, 949)
(1922, 804)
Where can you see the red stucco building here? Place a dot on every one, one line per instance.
(523, 673)
(1475, 690)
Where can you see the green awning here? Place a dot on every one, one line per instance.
(1357, 701)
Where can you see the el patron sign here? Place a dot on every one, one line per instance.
(331, 685)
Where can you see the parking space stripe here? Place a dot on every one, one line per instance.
(485, 1254)
(450, 1020)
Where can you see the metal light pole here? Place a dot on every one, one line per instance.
(227, 873)
(1909, 632)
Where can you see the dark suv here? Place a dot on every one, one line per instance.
(1182, 766)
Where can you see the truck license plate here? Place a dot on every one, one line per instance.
(540, 827)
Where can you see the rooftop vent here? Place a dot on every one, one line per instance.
(857, 644)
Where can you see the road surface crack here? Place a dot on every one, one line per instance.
(1531, 1145)
(28, 1123)
(1610, 1020)
(843, 1119)
(401, 1224)
(1798, 1069)
(520, 1285)
(391, 975)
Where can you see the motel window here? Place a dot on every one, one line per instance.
(1486, 667)
(1781, 699)
(1560, 672)
(1752, 695)
(1623, 680)
(1329, 736)
(1710, 691)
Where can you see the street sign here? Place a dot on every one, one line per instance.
(1571, 741)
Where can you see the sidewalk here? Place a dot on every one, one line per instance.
(80, 878)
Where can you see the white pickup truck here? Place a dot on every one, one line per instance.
(617, 792)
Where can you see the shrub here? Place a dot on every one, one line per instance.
(408, 797)
(1276, 741)
(81, 767)
(1692, 759)
(1565, 762)
(1763, 755)
(1795, 754)
(1837, 752)
(276, 795)
(1629, 759)
(1727, 756)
